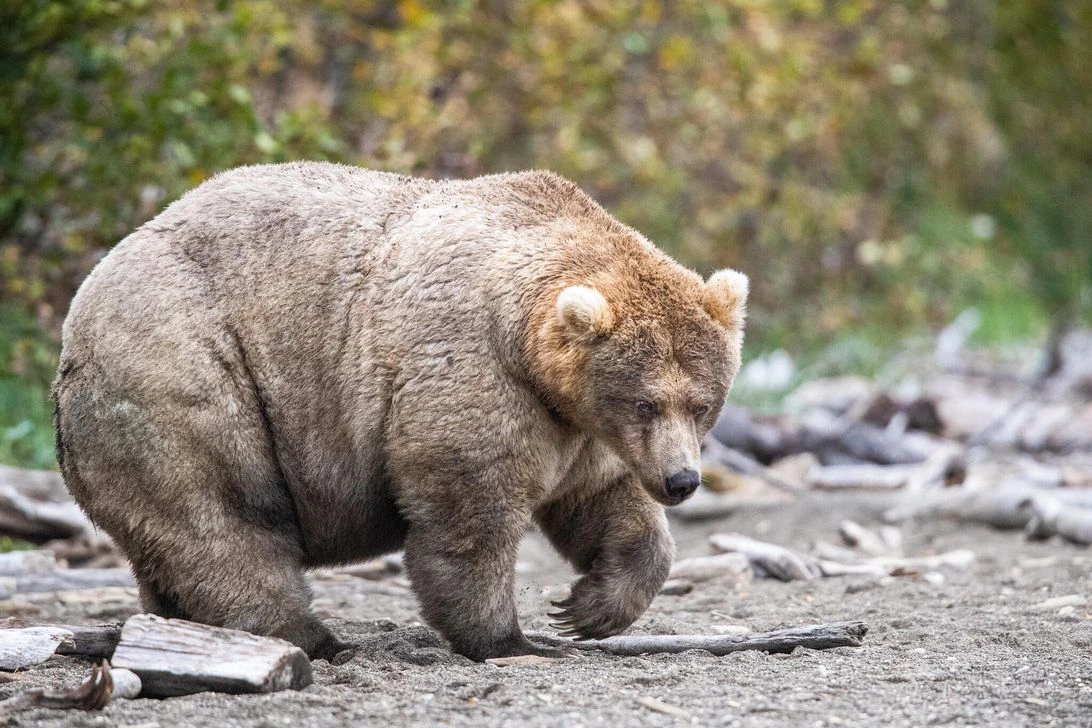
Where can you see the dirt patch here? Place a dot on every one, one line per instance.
(971, 650)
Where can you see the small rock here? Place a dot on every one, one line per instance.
(659, 706)
(1067, 611)
(933, 577)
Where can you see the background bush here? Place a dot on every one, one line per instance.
(875, 166)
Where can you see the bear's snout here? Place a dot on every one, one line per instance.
(682, 484)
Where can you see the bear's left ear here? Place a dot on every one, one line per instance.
(583, 311)
(726, 297)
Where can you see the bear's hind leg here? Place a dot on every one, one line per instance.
(239, 578)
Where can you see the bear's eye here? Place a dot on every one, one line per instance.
(701, 411)
(646, 409)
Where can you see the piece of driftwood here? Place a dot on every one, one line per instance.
(676, 587)
(42, 485)
(39, 520)
(93, 693)
(767, 558)
(21, 563)
(176, 657)
(703, 568)
(66, 580)
(89, 641)
(842, 568)
(1049, 517)
(900, 565)
(28, 646)
(1001, 506)
(814, 637)
(887, 542)
(859, 476)
(742, 463)
(833, 439)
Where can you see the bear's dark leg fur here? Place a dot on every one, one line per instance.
(618, 539)
(464, 577)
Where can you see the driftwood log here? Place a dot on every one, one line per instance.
(1003, 506)
(703, 568)
(833, 440)
(814, 637)
(176, 657)
(23, 648)
(65, 580)
(767, 558)
(1050, 517)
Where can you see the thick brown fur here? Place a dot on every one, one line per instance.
(310, 364)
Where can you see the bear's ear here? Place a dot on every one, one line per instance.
(583, 311)
(726, 297)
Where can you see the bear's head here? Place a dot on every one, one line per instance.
(644, 362)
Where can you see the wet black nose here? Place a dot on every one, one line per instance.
(683, 483)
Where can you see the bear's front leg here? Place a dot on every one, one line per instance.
(462, 565)
(618, 538)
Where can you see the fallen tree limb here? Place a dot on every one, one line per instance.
(703, 568)
(1049, 517)
(39, 520)
(767, 558)
(742, 463)
(814, 637)
(42, 485)
(29, 646)
(1001, 506)
(888, 542)
(859, 476)
(92, 694)
(176, 657)
(65, 580)
(89, 641)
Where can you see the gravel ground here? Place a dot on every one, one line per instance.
(972, 650)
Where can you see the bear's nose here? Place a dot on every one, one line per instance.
(683, 483)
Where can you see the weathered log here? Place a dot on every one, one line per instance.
(65, 580)
(89, 641)
(176, 657)
(1049, 517)
(26, 517)
(900, 565)
(767, 558)
(871, 543)
(28, 646)
(42, 485)
(841, 568)
(742, 463)
(814, 637)
(703, 568)
(864, 476)
(834, 440)
(21, 563)
(1000, 506)
(676, 587)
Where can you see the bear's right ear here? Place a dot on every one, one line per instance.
(583, 311)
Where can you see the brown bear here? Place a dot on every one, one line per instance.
(311, 364)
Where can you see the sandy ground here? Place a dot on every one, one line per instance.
(970, 651)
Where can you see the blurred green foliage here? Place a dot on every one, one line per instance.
(875, 166)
